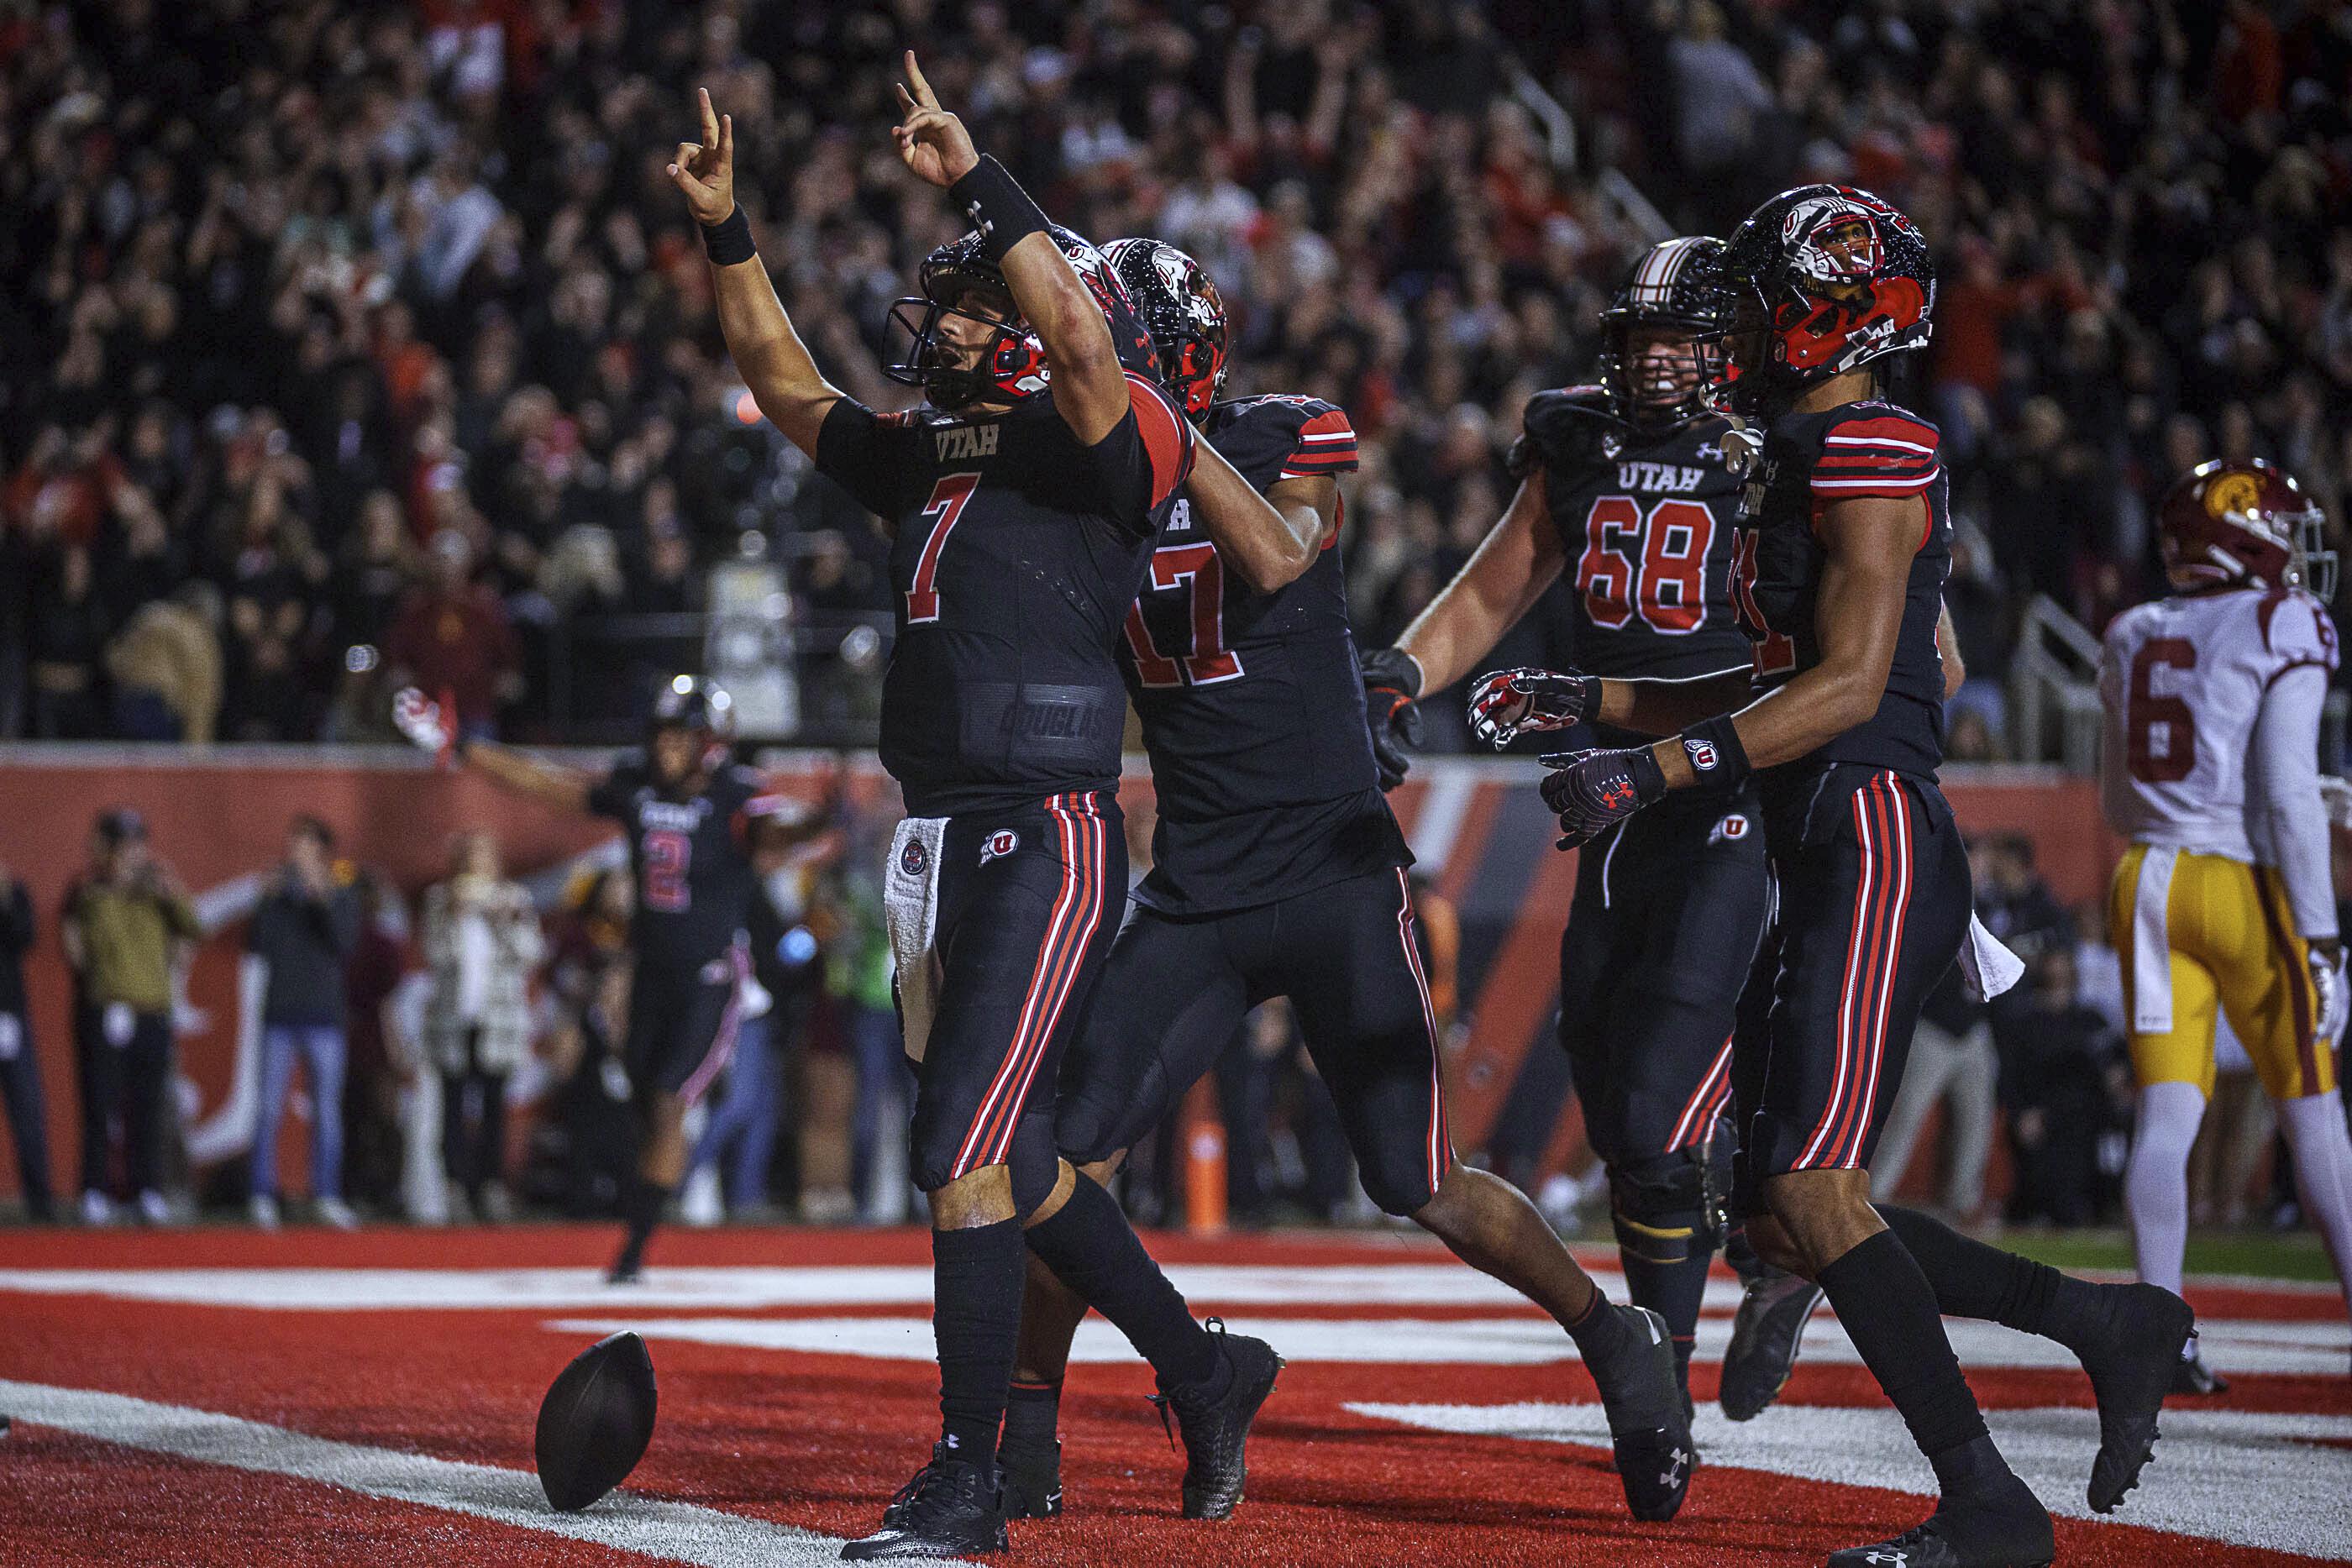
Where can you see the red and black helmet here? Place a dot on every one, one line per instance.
(1184, 313)
(1013, 365)
(1822, 280)
(2223, 524)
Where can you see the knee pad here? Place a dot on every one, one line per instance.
(1662, 1209)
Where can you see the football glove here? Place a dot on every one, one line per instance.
(2328, 982)
(420, 722)
(1593, 790)
(1392, 683)
(1508, 703)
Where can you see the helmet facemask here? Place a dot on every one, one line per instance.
(967, 343)
(1659, 373)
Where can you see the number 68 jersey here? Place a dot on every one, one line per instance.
(2183, 681)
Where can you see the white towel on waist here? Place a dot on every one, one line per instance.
(1985, 960)
(2151, 989)
(910, 908)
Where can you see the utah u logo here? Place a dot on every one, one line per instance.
(1733, 827)
(1003, 842)
(1702, 755)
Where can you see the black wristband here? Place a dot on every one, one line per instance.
(999, 208)
(1715, 755)
(729, 240)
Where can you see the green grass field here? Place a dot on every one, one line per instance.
(2296, 1255)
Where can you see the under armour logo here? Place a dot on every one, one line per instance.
(1617, 792)
(981, 223)
(1893, 1559)
(1677, 1465)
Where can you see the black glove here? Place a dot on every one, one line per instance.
(1506, 704)
(1391, 682)
(1592, 790)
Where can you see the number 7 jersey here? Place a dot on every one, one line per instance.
(1253, 710)
(2182, 682)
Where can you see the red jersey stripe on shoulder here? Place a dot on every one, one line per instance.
(1331, 423)
(1891, 428)
(1876, 484)
(1167, 439)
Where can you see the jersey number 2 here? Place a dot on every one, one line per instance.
(1196, 569)
(2170, 757)
(948, 497)
(1660, 572)
(669, 854)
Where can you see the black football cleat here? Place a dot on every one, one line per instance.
(1216, 1430)
(2193, 1376)
(951, 1508)
(1032, 1481)
(1774, 1307)
(2132, 1362)
(1648, 1426)
(1999, 1524)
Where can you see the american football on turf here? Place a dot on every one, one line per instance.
(595, 1422)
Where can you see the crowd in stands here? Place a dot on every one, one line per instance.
(342, 342)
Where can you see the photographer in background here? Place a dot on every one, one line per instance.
(122, 924)
(306, 929)
(20, 1070)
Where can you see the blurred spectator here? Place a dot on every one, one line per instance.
(20, 1065)
(585, 1139)
(165, 666)
(451, 635)
(124, 921)
(482, 948)
(305, 930)
(845, 910)
(1952, 1064)
(373, 1147)
(2067, 1089)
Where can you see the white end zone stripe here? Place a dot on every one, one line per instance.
(671, 1532)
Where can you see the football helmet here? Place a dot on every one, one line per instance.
(1673, 292)
(1011, 365)
(700, 706)
(1183, 312)
(2248, 522)
(1820, 280)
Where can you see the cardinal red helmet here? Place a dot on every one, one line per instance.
(1186, 316)
(2226, 523)
(1012, 365)
(1822, 280)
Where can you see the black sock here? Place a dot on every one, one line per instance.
(1092, 1249)
(642, 1207)
(976, 1280)
(1888, 1310)
(1972, 1280)
(1673, 1291)
(1601, 1332)
(1032, 1413)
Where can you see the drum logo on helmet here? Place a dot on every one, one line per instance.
(1834, 242)
(2233, 495)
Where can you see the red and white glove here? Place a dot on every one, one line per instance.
(1508, 703)
(420, 722)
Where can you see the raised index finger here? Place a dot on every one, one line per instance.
(923, 93)
(709, 119)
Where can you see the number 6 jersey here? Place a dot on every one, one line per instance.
(1252, 707)
(2194, 690)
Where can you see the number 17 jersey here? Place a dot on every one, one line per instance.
(1253, 710)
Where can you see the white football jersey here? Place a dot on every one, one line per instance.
(2183, 680)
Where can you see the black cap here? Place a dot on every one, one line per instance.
(121, 824)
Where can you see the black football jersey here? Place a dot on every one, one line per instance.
(691, 859)
(1647, 520)
(1018, 551)
(1253, 710)
(1809, 460)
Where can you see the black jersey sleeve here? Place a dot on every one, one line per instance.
(1141, 463)
(1563, 431)
(1270, 439)
(873, 456)
(611, 795)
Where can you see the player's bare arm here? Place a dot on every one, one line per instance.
(1090, 386)
(1271, 538)
(1948, 645)
(527, 775)
(768, 354)
(1870, 542)
(1519, 559)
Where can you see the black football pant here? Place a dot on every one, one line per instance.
(1871, 904)
(125, 1080)
(1348, 958)
(684, 1018)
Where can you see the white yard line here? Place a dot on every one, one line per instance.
(2241, 1477)
(672, 1531)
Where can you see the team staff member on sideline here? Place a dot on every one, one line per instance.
(1022, 500)
(1842, 554)
(122, 926)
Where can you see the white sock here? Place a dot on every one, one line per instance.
(2317, 1132)
(2155, 1183)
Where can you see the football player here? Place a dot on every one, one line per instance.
(1023, 501)
(696, 822)
(1844, 544)
(1626, 485)
(2210, 767)
(1279, 870)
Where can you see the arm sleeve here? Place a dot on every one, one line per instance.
(1143, 460)
(867, 455)
(2288, 824)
